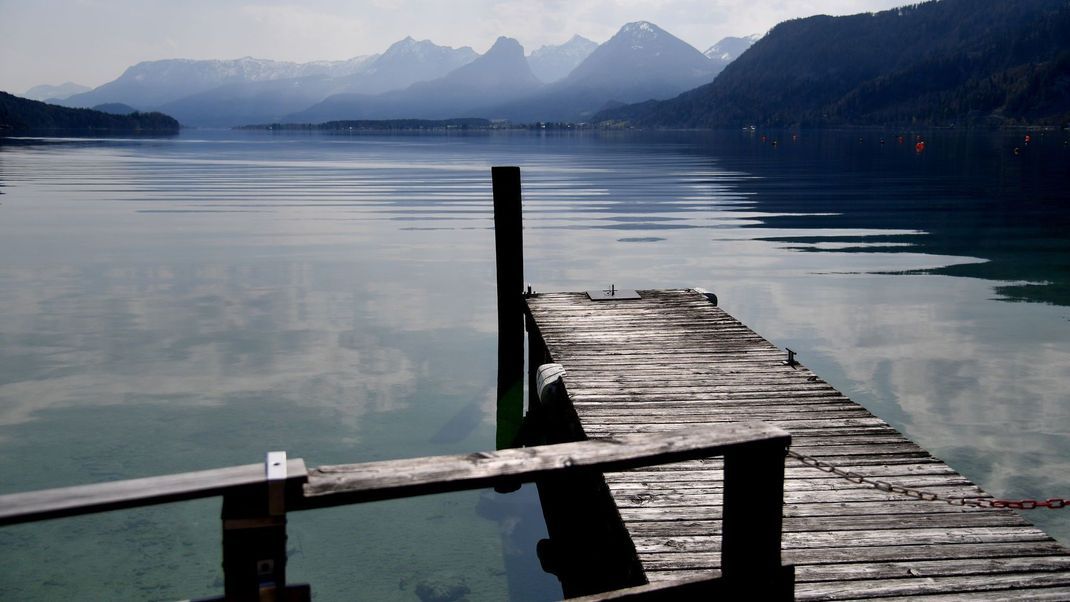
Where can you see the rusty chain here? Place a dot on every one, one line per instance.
(928, 496)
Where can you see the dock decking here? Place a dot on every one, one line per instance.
(673, 359)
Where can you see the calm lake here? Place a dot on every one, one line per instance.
(192, 302)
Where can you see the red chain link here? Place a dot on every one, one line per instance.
(1054, 503)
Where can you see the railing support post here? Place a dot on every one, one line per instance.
(254, 536)
(509, 260)
(752, 522)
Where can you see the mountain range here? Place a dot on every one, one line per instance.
(988, 62)
(943, 62)
(417, 79)
(640, 62)
(500, 75)
(268, 98)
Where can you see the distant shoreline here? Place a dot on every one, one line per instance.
(414, 125)
(479, 124)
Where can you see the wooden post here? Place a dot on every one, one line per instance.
(509, 259)
(254, 538)
(254, 545)
(752, 521)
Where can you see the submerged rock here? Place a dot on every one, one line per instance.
(442, 587)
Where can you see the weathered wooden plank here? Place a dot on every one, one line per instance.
(713, 483)
(704, 396)
(841, 539)
(701, 497)
(980, 585)
(875, 509)
(837, 556)
(977, 586)
(931, 568)
(101, 497)
(419, 476)
(803, 426)
(714, 403)
(677, 472)
(729, 407)
(1014, 595)
(838, 523)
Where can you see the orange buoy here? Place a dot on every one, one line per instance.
(920, 146)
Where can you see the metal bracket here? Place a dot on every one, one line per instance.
(612, 294)
(791, 358)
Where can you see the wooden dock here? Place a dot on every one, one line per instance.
(672, 359)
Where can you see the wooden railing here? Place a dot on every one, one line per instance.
(257, 497)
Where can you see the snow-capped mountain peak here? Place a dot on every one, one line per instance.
(729, 49)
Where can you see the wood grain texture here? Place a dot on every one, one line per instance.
(353, 483)
(672, 360)
(101, 497)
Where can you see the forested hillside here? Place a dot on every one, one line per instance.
(939, 63)
(17, 114)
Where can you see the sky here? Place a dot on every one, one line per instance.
(91, 42)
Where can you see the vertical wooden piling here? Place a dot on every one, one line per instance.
(509, 259)
(254, 545)
(752, 522)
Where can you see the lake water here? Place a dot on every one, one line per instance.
(192, 302)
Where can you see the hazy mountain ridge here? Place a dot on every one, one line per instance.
(552, 63)
(940, 63)
(498, 76)
(22, 114)
(151, 84)
(269, 99)
(46, 92)
(250, 102)
(248, 90)
(406, 62)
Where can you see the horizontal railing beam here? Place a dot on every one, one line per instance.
(356, 483)
(391, 479)
(100, 497)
